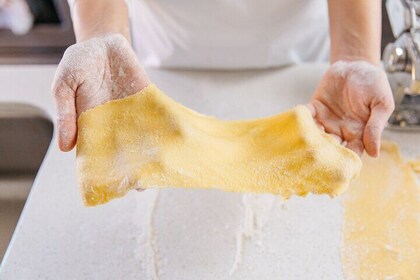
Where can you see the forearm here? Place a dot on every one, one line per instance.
(355, 30)
(97, 17)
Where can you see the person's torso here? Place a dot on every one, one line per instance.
(229, 34)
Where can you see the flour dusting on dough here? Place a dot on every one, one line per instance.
(415, 165)
(150, 136)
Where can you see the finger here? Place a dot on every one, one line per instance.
(311, 109)
(66, 115)
(327, 118)
(373, 130)
(319, 125)
(337, 138)
(356, 146)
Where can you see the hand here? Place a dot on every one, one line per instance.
(91, 73)
(354, 101)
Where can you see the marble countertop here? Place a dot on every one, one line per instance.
(172, 233)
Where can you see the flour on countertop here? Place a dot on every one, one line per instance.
(381, 219)
(257, 210)
(148, 249)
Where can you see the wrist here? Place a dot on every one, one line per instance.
(371, 59)
(357, 72)
(356, 47)
(355, 51)
(100, 17)
(84, 36)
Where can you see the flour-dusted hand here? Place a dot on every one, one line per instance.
(91, 73)
(354, 101)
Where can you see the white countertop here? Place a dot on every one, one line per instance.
(173, 233)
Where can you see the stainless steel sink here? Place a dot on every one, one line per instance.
(25, 134)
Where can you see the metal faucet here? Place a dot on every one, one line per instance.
(402, 62)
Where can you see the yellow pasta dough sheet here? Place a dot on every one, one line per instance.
(148, 140)
(381, 237)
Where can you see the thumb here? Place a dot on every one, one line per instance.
(373, 130)
(66, 110)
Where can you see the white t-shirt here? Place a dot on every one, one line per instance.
(229, 34)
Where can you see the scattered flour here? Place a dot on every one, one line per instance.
(154, 250)
(148, 250)
(257, 211)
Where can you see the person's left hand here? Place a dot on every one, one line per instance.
(354, 101)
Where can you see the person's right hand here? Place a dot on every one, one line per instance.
(91, 73)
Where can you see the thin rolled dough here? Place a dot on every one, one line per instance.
(381, 238)
(147, 140)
